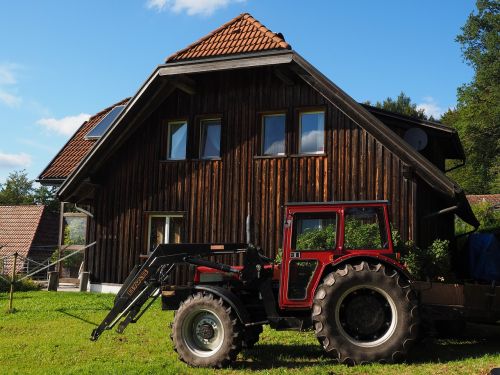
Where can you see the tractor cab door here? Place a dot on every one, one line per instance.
(309, 243)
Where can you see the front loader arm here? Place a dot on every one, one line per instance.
(145, 282)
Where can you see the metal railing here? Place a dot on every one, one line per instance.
(10, 270)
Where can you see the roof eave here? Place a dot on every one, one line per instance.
(50, 181)
(447, 131)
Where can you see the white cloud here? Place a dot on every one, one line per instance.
(8, 73)
(8, 77)
(312, 141)
(10, 100)
(66, 125)
(431, 107)
(191, 7)
(14, 160)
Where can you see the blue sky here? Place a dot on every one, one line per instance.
(62, 61)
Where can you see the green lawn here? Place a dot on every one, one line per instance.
(49, 333)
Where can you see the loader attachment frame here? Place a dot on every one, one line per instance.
(144, 283)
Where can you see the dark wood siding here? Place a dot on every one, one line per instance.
(214, 194)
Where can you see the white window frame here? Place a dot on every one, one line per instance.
(200, 150)
(263, 133)
(169, 138)
(167, 227)
(300, 133)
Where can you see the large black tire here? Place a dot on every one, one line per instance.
(364, 314)
(205, 332)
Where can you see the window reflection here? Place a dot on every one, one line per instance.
(273, 127)
(177, 137)
(312, 132)
(210, 139)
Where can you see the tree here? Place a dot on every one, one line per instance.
(477, 116)
(46, 196)
(403, 105)
(19, 189)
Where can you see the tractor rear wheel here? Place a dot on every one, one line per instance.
(365, 313)
(206, 332)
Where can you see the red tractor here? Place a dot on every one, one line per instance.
(339, 275)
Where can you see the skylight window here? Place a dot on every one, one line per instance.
(103, 125)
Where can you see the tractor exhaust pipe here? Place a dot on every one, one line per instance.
(248, 224)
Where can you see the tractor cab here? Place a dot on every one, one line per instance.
(318, 236)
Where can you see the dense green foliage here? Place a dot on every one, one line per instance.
(317, 238)
(357, 235)
(49, 334)
(403, 105)
(477, 116)
(19, 189)
(25, 285)
(73, 261)
(489, 219)
(431, 263)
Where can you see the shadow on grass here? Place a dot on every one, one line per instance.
(477, 342)
(286, 356)
(431, 351)
(65, 312)
(16, 296)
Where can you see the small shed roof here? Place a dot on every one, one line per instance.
(24, 228)
(493, 199)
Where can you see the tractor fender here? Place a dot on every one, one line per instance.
(230, 298)
(379, 258)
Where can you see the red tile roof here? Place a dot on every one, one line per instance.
(75, 149)
(24, 229)
(242, 34)
(493, 199)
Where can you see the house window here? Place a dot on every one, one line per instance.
(177, 137)
(210, 139)
(312, 132)
(164, 229)
(273, 134)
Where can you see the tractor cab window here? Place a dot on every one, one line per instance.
(315, 231)
(364, 228)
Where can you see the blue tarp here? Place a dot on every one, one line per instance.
(484, 257)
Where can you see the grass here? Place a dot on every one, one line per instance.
(49, 333)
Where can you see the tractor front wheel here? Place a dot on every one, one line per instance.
(205, 332)
(365, 313)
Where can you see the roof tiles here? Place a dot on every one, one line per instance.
(75, 150)
(492, 199)
(243, 34)
(21, 230)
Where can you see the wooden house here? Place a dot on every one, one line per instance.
(237, 124)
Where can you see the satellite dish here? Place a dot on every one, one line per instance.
(416, 138)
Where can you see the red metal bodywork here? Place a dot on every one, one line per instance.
(325, 258)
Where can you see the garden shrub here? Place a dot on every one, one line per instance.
(25, 285)
(318, 238)
(359, 235)
(431, 263)
(71, 262)
(488, 217)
